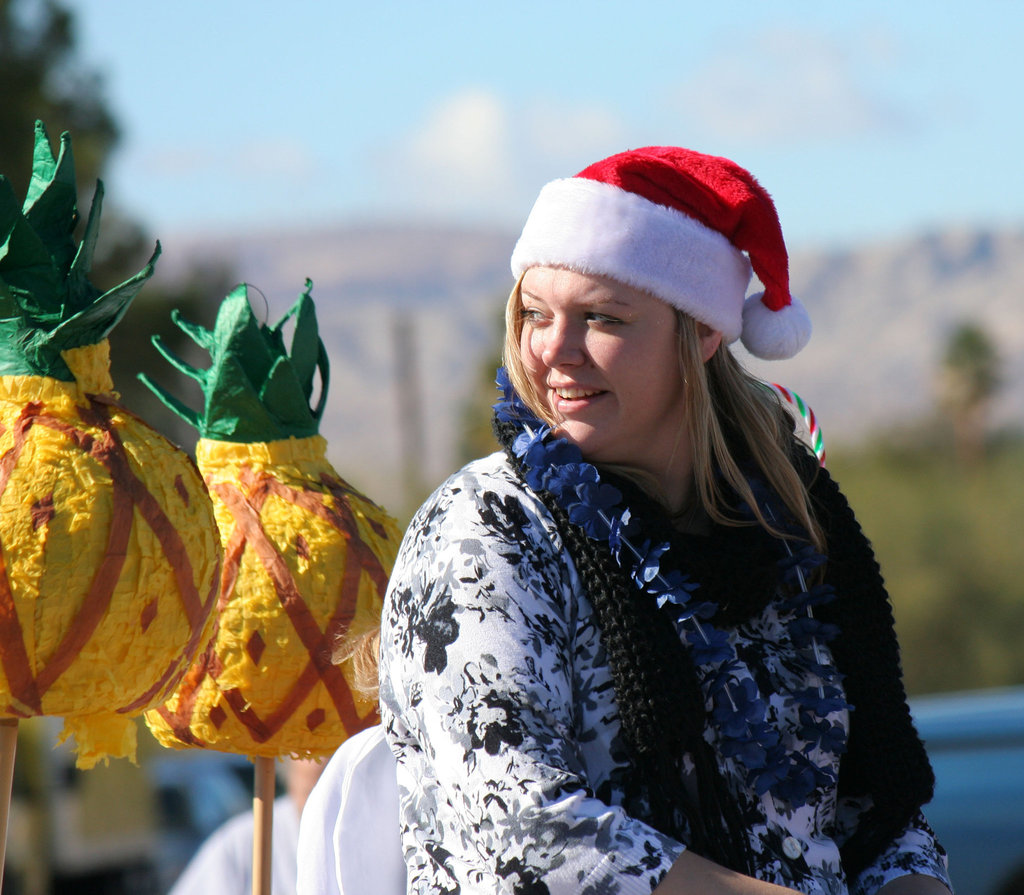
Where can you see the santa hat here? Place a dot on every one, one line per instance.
(675, 223)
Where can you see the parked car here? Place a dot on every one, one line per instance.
(976, 744)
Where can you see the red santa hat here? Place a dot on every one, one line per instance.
(675, 223)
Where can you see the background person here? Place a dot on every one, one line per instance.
(349, 835)
(223, 863)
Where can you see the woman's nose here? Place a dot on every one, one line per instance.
(563, 344)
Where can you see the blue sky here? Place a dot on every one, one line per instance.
(864, 120)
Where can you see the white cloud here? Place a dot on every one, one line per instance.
(786, 85)
(459, 154)
(466, 137)
(475, 156)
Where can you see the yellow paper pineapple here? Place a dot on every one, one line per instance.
(110, 556)
(306, 558)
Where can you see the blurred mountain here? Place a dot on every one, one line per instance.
(431, 301)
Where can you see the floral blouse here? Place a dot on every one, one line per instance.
(500, 709)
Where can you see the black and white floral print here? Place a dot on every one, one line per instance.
(501, 711)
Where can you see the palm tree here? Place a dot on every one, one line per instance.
(971, 377)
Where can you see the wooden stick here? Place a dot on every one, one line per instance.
(263, 824)
(8, 747)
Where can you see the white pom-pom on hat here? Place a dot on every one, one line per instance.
(774, 335)
(680, 225)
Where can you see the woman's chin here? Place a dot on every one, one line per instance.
(584, 437)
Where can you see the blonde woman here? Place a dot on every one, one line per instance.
(646, 647)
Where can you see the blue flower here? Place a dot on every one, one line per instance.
(646, 567)
(686, 611)
(736, 706)
(800, 781)
(510, 408)
(802, 560)
(771, 774)
(617, 532)
(821, 734)
(675, 588)
(593, 511)
(749, 752)
(803, 629)
(562, 479)
(822, 701)
(562, 452)
(709, 645)
(768, 736)
(817, 595)
(828, 673)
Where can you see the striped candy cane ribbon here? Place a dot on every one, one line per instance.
(802, 411)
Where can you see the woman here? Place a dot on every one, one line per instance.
(646, 647)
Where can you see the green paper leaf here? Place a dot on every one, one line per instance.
(182, 366)
(80, 290)
(254, 390)
(47, 303)
(94, 323)
(305, 339)
(169, 401)
(234, 411)
(283, 392)
(238, 334)
(51, 207)
(44, 165)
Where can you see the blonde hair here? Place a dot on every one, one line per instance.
(363, 651)
(724, 403)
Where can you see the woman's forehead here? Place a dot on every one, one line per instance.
(562, 284)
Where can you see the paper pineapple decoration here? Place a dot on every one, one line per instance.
(110, 554)
(306, 558)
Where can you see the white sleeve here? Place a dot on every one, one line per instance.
(223, 863)
(349, 834)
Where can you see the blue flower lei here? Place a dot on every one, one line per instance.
(736, 707)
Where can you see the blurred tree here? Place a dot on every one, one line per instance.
(969, 381)
(43, 78)
(477, 438)
(949, 547)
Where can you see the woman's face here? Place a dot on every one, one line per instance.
(604, 358)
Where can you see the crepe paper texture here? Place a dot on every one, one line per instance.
(109, 555)
(306, 557)
(306, 564)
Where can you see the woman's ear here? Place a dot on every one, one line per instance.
(710, 339)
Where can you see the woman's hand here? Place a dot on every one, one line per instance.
(693, 875)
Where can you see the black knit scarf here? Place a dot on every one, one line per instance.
(736, 566)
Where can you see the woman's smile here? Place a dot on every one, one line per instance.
(570, 400)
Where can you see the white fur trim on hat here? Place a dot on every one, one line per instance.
(597, 228)
(775, 335)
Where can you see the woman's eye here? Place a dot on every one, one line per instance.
(604, 318)
(530, 315)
